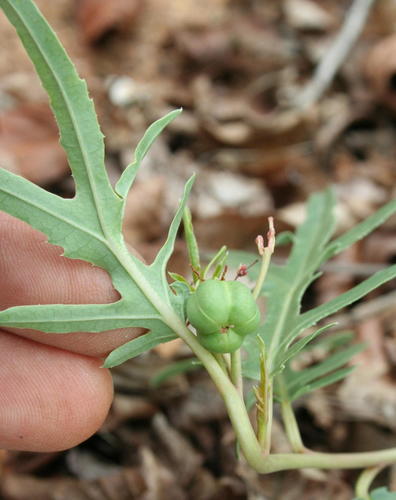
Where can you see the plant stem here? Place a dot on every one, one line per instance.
(233, 400)
(264, 397)
(265, 262)
(236, 371)
(192, 245)
(364, 481)
(291, 427)
(236, 407)
(217, 262)
(222, 362)
(244, 431)
(269, 416)
(312, 460)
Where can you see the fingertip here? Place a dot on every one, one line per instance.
(51, 399)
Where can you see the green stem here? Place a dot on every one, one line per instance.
(312, 460)
(233, 401)
(217, 262)
(364, 481)
(265, 262)
(236, 371)
(261, 426)
(236, 407)
(192, 245)
(291, 427)
(244, 431)
(222, 362)
(268, 422)
(264, 396)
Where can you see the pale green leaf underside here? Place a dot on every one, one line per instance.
(74, 111)
(137, 346)
(88, 226)
(127, 177)
(143, 288)
(61, 318)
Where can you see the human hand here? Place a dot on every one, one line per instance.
(54, 393)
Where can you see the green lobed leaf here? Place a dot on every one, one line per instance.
(298, 383)
(285, 285)
(334, 377)
(158, 267)
(285, 352)
(74, 112)
(363, 229)
(311, 317)
(137, 346)
(331, 342)
(284, 293)
(125, 181)
(88, 226)
(331, 363)
(67, 318)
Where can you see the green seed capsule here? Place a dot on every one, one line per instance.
(223, 313)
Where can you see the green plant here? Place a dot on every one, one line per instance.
(88, 227)
(364, 482)
(223, 313)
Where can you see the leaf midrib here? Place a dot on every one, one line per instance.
(73, 120)
(79, 320)
(284, 314)
(169, 317)
(69, 222)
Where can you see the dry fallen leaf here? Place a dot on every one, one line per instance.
(144, 220)
(29, 144)
(380, 69)
(100, 17)
(307, 15)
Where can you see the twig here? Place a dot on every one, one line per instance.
(354, 22)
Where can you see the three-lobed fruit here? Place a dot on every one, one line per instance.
(223, 313)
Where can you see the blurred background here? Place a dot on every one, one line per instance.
(281, 98)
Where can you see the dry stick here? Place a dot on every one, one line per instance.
(355, 20)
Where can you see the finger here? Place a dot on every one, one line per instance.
(50, 399)
(33, 272)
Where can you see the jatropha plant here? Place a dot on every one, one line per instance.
(217, 317)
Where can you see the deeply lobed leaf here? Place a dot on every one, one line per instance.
(284, 289)
(88, 226)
